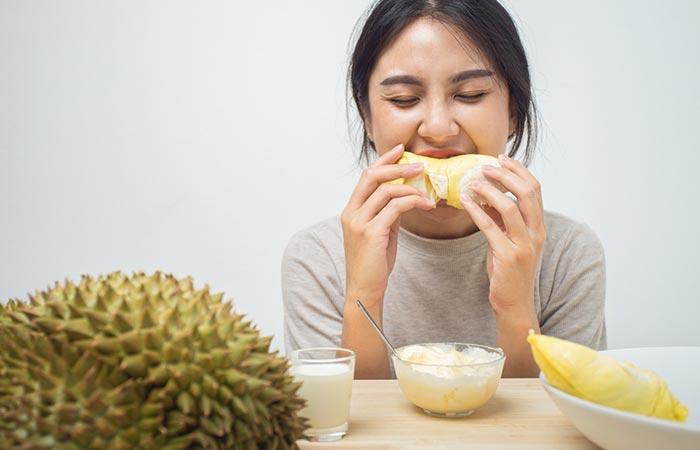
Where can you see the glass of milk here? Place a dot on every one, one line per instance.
(326, 374)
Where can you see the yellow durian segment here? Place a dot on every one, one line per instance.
(587, 374)
(447, 178)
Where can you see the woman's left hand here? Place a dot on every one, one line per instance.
(515, 232)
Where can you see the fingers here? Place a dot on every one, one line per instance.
(493, 233)
(528, 195)
(375, 206)
(397, 206)
(510, 213)
(493, 214)
(534, 188)
(383, 195)
(389, 157)
(381, 171)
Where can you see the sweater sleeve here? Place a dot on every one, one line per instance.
(575, 309)
(312, 294)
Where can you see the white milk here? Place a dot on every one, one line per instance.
(327, 389)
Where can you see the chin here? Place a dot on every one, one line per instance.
(443, 213)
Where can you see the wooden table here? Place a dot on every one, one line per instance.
(519, 416)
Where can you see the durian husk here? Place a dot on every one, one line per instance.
(140, 362)
(587, 374)
(447, 178)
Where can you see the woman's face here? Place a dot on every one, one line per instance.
(432, 93)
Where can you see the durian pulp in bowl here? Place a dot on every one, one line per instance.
(448, 379)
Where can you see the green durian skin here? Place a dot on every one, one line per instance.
(140, 361)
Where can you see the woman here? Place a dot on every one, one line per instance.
(442, 78)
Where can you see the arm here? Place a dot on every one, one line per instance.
(359, 336)
(312, 294)
(575, 308)
(516, 235)
(319, 312)
(370, 223)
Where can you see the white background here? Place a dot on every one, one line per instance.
(197, 137)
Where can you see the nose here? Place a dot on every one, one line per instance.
(438, 124)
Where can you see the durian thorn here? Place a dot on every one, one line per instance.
(146, 320)
(121, 322)
(106, 345)
(48, 325)
(134, 365)
(79, 301)
(19, 317)
(132, 342)
(239, 407)
(77, 329)
(96, 319)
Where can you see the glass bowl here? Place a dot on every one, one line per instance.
(449, 390)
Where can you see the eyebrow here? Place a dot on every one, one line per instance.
(458, 78)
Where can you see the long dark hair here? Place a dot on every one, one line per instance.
(489, 27)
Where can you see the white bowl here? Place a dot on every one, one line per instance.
(613, 429)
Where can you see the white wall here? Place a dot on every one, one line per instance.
(196, 137)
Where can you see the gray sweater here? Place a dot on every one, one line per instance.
(438, 290)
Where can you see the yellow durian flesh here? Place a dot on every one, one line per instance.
(587, 374)
(447, 178)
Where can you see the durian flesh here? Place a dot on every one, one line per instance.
(448, 178)
(587, 374)
(145, 362)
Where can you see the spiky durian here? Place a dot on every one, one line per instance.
(147, 362)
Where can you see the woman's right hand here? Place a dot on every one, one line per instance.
(370, 224)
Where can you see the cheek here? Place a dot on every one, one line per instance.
(392, 126)
(487, 126)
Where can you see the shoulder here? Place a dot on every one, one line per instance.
(572, 282)
(323, 239)
(572, 255)
(565, 234)
(327, 232)
(572, 251)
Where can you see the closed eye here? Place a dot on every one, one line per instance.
(470, 98)
(404, 101)
(410, 101)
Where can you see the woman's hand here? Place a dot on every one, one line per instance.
(370, 224)
(516, 233)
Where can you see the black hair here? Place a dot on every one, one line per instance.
(485, 23)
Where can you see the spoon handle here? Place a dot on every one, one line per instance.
(376, 328)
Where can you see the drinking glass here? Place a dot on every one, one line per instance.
(326, 374)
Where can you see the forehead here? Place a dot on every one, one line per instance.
(429, 48)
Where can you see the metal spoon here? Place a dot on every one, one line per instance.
(376, 328)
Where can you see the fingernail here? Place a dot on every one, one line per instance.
(503, 157)
(397, 148)
(487, 168)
